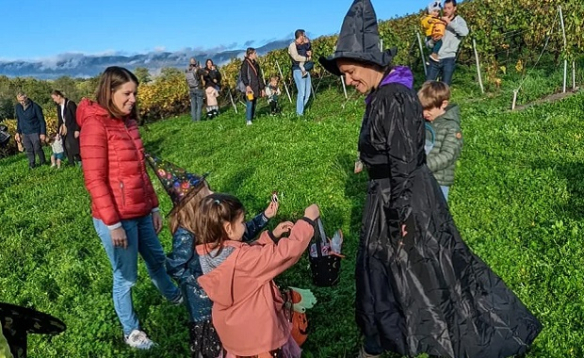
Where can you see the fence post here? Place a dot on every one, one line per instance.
(565, 48)
(232, 101)
(285, 85)
(574, 75)
(514, 100)
(344, 87)
(422, 53)
(474, 46)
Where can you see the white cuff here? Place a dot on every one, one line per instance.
(114, 226)
(155, 210)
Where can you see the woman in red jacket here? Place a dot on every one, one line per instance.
(124, 204)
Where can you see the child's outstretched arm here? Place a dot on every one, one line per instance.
(449, 151)
(259, 222)
(267, 261)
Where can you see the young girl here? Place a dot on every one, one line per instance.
(183, 263)
(248, 308)
(58, 155)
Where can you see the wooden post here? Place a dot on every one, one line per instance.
(422, 53)
(232, 101)
(474, 45)
(565, 48)
(284, 81)
(574, 75)
(344, 87)
(514, 100)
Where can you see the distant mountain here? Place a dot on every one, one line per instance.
(79, 65)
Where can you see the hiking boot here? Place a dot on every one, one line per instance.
(139, 340)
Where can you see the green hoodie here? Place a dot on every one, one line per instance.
(447, 146)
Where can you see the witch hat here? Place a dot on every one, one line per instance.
(358, 39)
(179, 184)
(17, 322)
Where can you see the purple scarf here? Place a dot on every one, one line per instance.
(400, 74)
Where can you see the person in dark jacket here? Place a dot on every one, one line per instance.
(31, 128)
(420, 288)
(254, 85)
(183, 262)
(444, 118)
(67, 126)
(212, 79)
(194, 75)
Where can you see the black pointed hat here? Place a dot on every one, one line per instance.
(358, 39)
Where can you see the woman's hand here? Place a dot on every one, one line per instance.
(272, 209)
(282, 228)
(119, 238)
(157, 220)
(248, 89)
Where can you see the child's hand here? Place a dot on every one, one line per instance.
(272, 209)
(282, 228)
(312, 212)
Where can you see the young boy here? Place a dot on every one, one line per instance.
(444, 119)
(434, 28)
(272, 92)
(306, 66)
(58, 153)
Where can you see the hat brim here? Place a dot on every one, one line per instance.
(31, 321)
(382, 59)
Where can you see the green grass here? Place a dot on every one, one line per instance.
(518, 202)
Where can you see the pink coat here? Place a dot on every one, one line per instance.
(247, 305)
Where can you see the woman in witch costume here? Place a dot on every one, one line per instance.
(186, 190)
(420, 289)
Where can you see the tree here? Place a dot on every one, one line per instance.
(143, 74)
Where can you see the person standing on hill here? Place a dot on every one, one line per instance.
(67, 126)
(456, 29)
(212, 80)
(194, 75)
(254, 85)
(300, 52)
(31, 128)
(123, 202)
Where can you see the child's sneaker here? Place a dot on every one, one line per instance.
(139, 340)
(248, 123)
(434, 57)
(53, 165)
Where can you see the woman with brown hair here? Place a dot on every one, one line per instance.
(67, 126)
(420, 289)
(124, 204)
(254, 85)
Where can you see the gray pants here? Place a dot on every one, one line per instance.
(32, 144)
(197, 96)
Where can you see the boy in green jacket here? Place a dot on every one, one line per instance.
(444, 119)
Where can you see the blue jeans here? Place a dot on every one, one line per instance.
(197, 96)
(445, 67)
(250, 107)
(445, 190)
(303, 85)
(141, 238)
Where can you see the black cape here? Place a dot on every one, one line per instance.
(425, 292)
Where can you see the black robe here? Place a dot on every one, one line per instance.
(425, 292)
(70, 143)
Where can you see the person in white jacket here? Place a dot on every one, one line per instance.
(456, 29)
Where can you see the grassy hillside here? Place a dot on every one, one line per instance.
(517, 200)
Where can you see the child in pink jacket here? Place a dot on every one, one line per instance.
(248, 311)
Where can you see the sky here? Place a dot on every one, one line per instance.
(36, 29)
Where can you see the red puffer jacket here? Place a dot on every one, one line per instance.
(113, 165)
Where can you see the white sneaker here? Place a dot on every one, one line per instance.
(139, 340)
(248, 123)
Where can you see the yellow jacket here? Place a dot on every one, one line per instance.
(428, 23)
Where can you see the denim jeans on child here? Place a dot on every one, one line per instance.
(304, 85)
(250, 107)
(445, 66)
(141, 238)
(197, 96)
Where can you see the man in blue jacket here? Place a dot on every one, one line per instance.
(31, 128)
